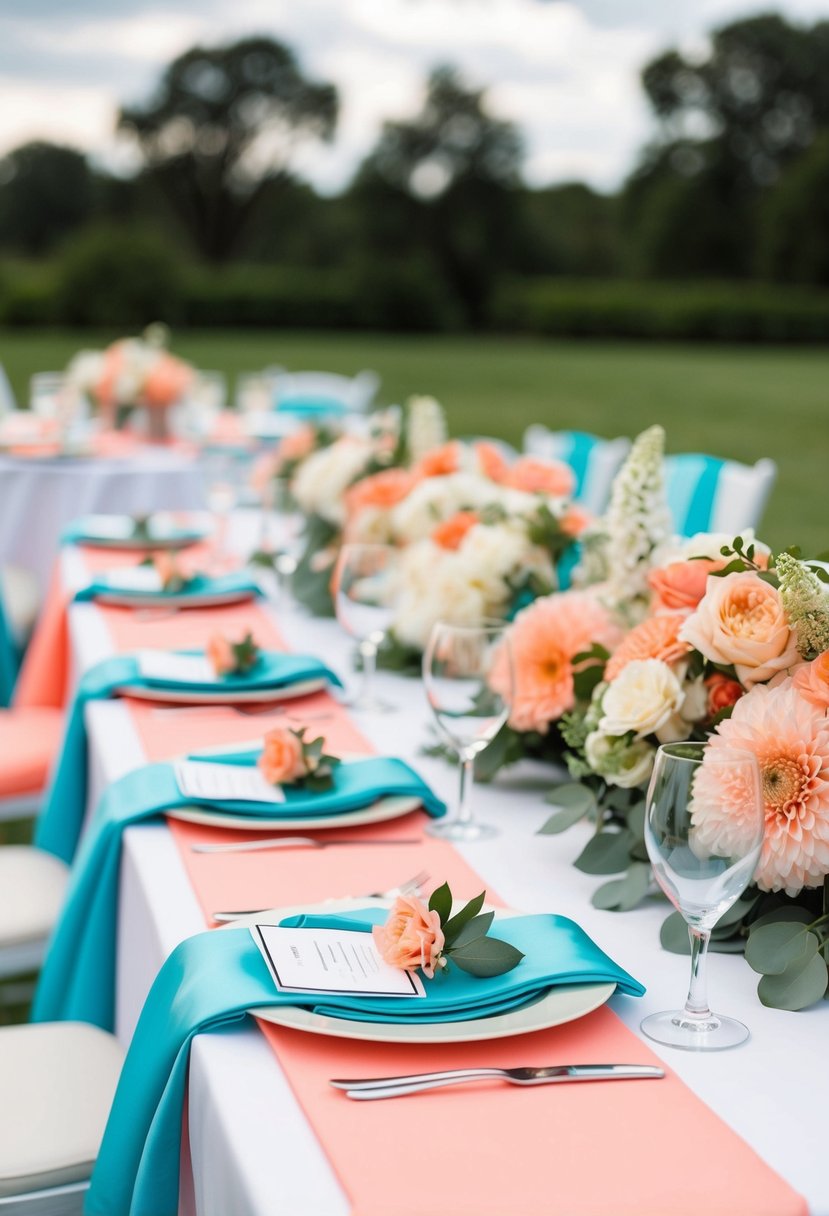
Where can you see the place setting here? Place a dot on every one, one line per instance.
(153, 530)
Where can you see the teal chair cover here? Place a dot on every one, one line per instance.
(691, 487)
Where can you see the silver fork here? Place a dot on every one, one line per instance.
(412, 886)
(397, 1087)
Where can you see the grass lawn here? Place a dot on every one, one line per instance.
(740, 402)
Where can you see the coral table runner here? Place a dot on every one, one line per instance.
(630, 1149)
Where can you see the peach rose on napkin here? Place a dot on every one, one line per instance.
(812, 681)
(282, 760)
(411, 937)
(220, 653)
(741, 620)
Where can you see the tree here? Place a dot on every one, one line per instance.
(221, 132)
(444, 187)
(45, 192)
(794, 235)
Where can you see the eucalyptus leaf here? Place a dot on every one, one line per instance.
(774, 947)
(572, 796)
(479, 926)
(453, 927)
(561, 821)
(784, 912)
(740, 908)
(801, 984)
(440, 901)
(607, 853)
(622, 894)
(636, 820)
(673, 937)
(486, 956)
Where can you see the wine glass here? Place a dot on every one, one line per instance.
(365, 581)
(703, 831)
(469, 710)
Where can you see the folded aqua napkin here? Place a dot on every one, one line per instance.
(212, 979)
(77, 982)
(59, 825)
(199, 587)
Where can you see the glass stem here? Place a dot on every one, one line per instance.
(465, 792)
(696, 1004)
(368, 653)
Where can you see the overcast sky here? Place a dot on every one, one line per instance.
(565, 70)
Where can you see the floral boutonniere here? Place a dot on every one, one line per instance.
(416, 935)
(230, 658)
(173, 578)
(141, 527)
(287, 759)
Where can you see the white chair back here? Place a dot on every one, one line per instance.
(313, 390)
(709, 495)
(595, 461)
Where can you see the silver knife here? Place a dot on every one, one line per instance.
(294, 842)
(367, 1089)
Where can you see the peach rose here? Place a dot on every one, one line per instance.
(380, 491)
(812, 681)
(450, 534)
(535, 476)
(166, 382)
(681, 585)
(282, 760)
(440, 462)
(220, 653)
(655, 638)
(491, 462)
(297, 445)
(722, 692)
(411, 937)
(741, 620)
(575, 520)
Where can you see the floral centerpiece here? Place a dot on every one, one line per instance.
(131, 374)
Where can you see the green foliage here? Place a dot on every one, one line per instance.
(311, 582)
(465, 936)
(120, 277)
(793, 244)
(46, 191)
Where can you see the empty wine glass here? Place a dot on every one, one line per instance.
(366, 583)
(468, 674)
(703, 832)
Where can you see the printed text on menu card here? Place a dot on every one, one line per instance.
(331, 960)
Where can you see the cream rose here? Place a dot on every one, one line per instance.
(644, 697)
(619, 764)
(741, 620)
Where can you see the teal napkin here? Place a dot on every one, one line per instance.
(199, 586)
(59, 825)
(212, 979)
(77, 982)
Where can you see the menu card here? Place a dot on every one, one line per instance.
(341, 961)
(176, 668)
(133, 578)
(206, 782)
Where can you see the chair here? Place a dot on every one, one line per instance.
(706, 494)
(594, 461)
(19, 605)
(315, 394)
(32, 890)
(58, 1082)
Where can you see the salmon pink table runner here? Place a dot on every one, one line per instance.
(631, 1149)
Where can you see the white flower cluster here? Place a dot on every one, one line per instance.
(425, 426)
(806, 600)
(638, 523)
(465, 585)
(321, 480)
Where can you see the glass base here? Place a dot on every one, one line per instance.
(462, 832)
(676, 1029)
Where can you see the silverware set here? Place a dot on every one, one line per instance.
(371, 1089)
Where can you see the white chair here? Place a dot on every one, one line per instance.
(320, 392)
(8, 404)
(21, 601)
(706, 494)
(594, 461)
(32, 889)
(57, 1082)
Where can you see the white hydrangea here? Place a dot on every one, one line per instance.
(321, 480)
(425, 426)
(436, 499)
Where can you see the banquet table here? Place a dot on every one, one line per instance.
(40, 495)
(252, 1151)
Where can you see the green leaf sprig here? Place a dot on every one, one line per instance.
(245, 654)
(465, 936)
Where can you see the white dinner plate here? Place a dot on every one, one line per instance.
(115, 532)
(561, 1004)
(385, 808)
(224, 696)
(126, 599)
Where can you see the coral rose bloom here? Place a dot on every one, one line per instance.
(166, 382)
(575, 520)
(681, 585)
(741, 620)
(790, 739)
(220, 653)
(282, 760)
(440, 462)
(411, 937)
(812, 681)
(535, 476)
(381, 491)
(655, 638)
(544, 638)
(450, 534)
(491, 462)
(297, 445)
(722, 692)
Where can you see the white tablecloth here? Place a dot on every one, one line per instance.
(253, 1152)
(39, 497)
